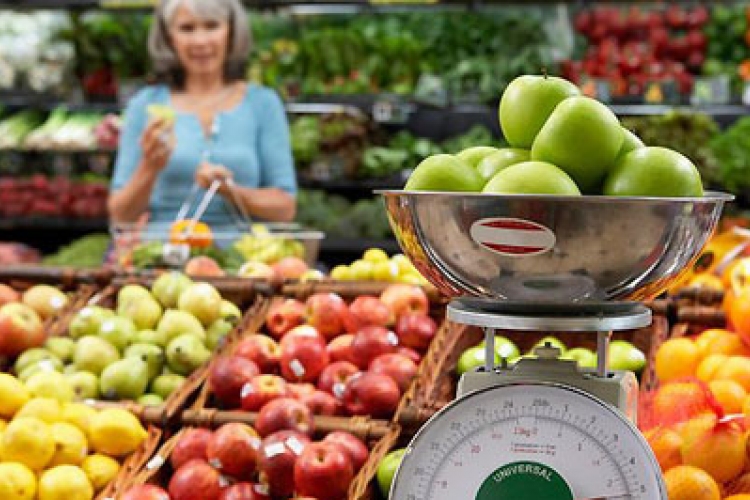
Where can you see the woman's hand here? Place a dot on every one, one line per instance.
(157, 143)
(208, 173)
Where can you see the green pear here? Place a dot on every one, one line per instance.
(62, 347)
(88, 321)
(186, 353)
(503, 158)
(473, 156)
(168, 287)
(151, 337)
(217, 332)
(230, 311)
(625, 356)
(151, 354)
(145, 312)
(175, 323)
(118, 331)
(504, 347)
(444, 173)
(130, 293)
(585, 358)
(32, 357)
(44, 365)
(164, 385)
(93, 354)
(124, 379)
(50, 384)
(203, 301)
(473, 358)
(150, 400)
(85, 385)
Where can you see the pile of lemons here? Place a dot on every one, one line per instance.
(376, 265)
(52, 448)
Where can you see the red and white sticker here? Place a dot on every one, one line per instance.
(512, 237)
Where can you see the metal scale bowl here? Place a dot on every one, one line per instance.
(543, 428)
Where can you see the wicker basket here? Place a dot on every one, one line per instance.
(133, 464)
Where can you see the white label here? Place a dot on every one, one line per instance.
(57, 302)
(512, 237)
(392, 337)
(295, 445)
(261, 488)
(338, 389)
(247, 389)
(155, 462)
(46, 365)
(108, 326)
(297, 368)
(215, 463)
(224, 481)
(274, 449)
(255, 443)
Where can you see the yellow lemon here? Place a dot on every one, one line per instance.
(70, 444)
(100, 469)
(65, 482)
(385, 271)
(375, 255)
(17, 482)
(341, 273)
(79, 415)
(29, 441)
(46, 409)
(47, 384)
(404, 264)
(116, 432)
(13, 395)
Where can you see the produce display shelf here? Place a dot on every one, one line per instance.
(357, 245)
(54, 223)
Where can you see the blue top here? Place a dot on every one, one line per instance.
(251, 139)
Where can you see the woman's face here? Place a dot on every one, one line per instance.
(200, 43)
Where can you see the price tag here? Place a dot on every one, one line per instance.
(391, 110)
(597, 89)
(661, 92)
(711, 90)
(431, 89)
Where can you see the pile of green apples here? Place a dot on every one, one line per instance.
(144, 348)
(623, 355)
(561, 143)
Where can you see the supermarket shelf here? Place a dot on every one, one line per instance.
(356, 246)
(53, 223)
(359, 186)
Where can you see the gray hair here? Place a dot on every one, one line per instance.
(166, 64)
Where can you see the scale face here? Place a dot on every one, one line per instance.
(537, 441)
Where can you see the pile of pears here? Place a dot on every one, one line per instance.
(144, 348)
(561, 143)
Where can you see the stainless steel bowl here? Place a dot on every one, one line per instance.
(551, 249)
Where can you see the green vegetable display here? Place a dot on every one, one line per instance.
(732, 150)
(337, 217)
(86, 252)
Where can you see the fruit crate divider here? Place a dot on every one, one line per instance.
(235, 289)
(66, 277)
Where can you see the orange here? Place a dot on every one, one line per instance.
(730, 395)
(735, 368)
(718, 450)
(737, 275)
(678, 402)
(666, 444)
(739, 313)
(741, 496)
(721, 341)
(676, 358)
(706, 280)
(746, 406)
(195, 233)
(709, 366)
(690, 483)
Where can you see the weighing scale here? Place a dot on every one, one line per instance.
(542, 428)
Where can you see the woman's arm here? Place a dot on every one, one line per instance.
(271, 204)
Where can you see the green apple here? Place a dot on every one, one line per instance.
(473, 358)
(150, 400)
(124, 379)
(585, 358)
(444, 173)
(62, 347)
(230, 311)
(93, 354)
(152, 355)
(88, 321)
(85, 385)
(625, 356)
(34, 356)
(175, 323)
(387, 470)
(473, 156)
(630, 143)
(168, 287)
(527, 103)
(186, 353)
(164, 385)
(503, 158)
(582, 137)
(161, 111)
(118, 331)
(145, 312)
(216, 333)
(532, 177)
(201, 300)
(131, 293)
(554, 341)
(654, 171)
(151, 337)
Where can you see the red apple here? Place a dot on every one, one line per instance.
(410, 353)
(20, 329)
(397, 366)
(228, 376)
(145, 492)
(299, 390)
(340, 348)
(368, 310)
(303, 359)
(322, 403)
(334, 377)
(402, 299)
(233, 449)
(245, 491)
(323, 471)
(327, 312)
(285, 413)
(306, 332)
(416, 330)
(354, 447)
(284, 316)
(370, 342)
(290, 268)
(203, 266)
(8, 295)
(260, 349)
(195, 480)
(191, 445)
(278, 455)
(261, 390)
(372, 394)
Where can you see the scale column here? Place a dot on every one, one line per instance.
(489, 350)
(602, 353)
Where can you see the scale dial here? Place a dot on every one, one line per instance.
(533, 440)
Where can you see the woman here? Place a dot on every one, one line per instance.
(225, 129)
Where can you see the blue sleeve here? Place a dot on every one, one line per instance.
(129, 148)
(274, 147)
